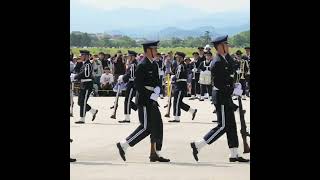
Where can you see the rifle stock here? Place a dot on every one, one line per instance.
(115, 106)
(243, 130)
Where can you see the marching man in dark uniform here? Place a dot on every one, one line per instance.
(86, 78)
(130, 91)
(223, 81)
(148, 89)
(180, 91)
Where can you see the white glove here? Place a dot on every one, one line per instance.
(238, 71)
(194, 70)
(154, 96)
(172, 76)
(120, 79)
(157, 90)
(72, 77)
(237, 89)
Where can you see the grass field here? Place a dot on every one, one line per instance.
(113, 51)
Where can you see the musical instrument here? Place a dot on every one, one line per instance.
(71, 99)
(169, 89)
(205, 76)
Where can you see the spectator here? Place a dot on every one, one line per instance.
(106, 80)
(118, 65)
(97, 72)
(103, 60)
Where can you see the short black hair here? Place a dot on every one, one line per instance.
(106, 68)
(195, 53)
(101, 53)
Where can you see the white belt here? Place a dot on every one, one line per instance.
(182, 80)
(214, 88)
(86, 80)
(131, 79)
(149, 88)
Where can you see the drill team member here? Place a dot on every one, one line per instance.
(130, 91)
(86, 78)
(180, 91)
(223, 82)
(148, 89)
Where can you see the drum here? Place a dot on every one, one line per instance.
(205, 77)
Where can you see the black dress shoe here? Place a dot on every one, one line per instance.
(73, 160)
(155, 157)
(239, 159)
(176, 121)
(94, 115)
(194, 151)
(215, 111)
(79, 122)
(194, 114)
(244, 111)
(124, 121)
(121, 152)
(167, 115)
(214, 121)
(71, 115)
(201, 99)
(192, 98)
(71, 140)
(235, 107)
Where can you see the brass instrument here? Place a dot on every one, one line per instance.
(242, 64)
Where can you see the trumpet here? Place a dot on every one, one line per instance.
(242, 64)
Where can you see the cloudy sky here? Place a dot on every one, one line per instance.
(100, 15)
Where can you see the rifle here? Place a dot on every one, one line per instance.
(115, 106)
(243, 129)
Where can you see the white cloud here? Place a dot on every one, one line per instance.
(208, 6)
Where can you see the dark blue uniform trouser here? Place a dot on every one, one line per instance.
(178, 104)
(243, 86)
(195, 86)
(150, 124)
(226, 122)
(206, 88)
(128, 103)
(82, 101)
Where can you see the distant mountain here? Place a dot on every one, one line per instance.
(182, 33)
(169, 32)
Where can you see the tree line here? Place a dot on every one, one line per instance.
(83, 39)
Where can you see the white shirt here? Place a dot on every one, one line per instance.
(97, 69)
(106, 78)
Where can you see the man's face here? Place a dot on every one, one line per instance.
(201, 52)
(101, 56)
(130, 58)
(208, 57)
(222, 48)
(154, 52)
(248, 52)
(84, 57)
(195, 56)
(107, 71)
